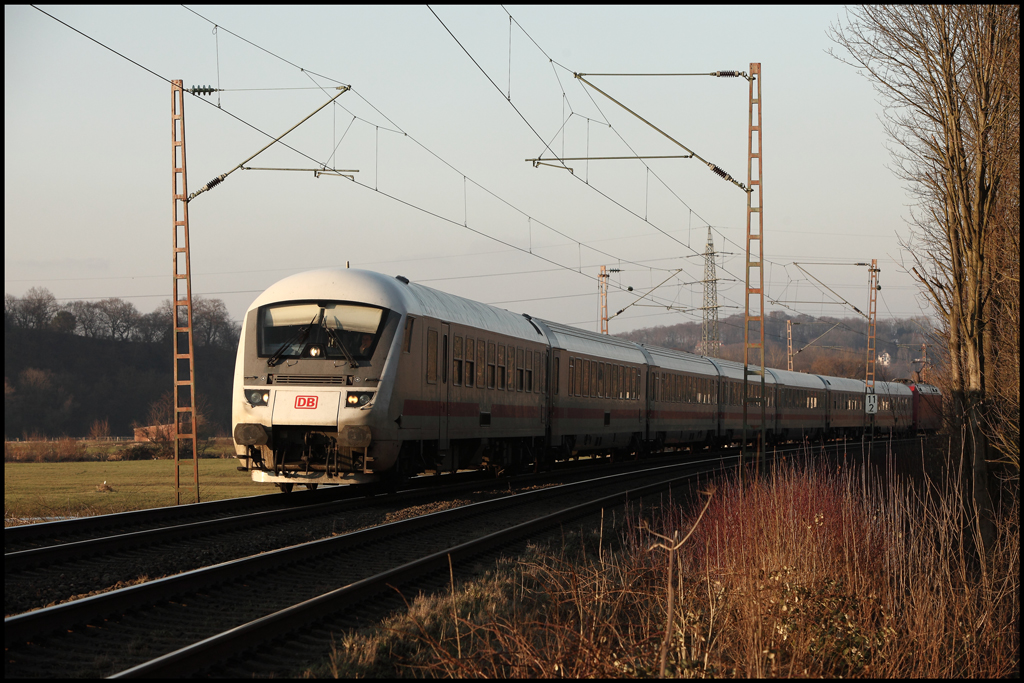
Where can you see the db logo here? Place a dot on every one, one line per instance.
(306, 402)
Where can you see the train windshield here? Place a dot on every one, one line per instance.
(320, 329)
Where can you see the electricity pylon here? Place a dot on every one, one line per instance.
(710, 342)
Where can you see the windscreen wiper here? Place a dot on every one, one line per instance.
(299, 336)
(334, 335)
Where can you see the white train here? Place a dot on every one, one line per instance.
(346, 376)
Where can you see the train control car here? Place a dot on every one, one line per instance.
(339, 372)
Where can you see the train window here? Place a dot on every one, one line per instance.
(501, 366)
(593, 378)
(457, 361)
(529, 371)
(578, 386)
(600, 380)
(470, 361)
(619, 391)
(432, 356)
(481, 363)
(490, 365)
(520, 371)
(584, 371)
(407, 341)
(572, 376)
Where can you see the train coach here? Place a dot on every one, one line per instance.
(351, 376)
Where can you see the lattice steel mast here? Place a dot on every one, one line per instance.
(710, 342)
(602, 291)
(185, 424)
(754, 289)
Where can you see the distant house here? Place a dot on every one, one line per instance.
(884, 359)
(155, 433)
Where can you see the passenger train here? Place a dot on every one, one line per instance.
(350, 376)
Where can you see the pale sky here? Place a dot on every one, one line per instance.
(441, 155)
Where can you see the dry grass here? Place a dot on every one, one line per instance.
(802, 574)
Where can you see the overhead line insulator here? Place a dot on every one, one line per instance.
(719, 172)
(203, 90)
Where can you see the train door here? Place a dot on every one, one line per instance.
(443, 389)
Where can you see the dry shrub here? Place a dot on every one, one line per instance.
(63, 450)
(800, 574)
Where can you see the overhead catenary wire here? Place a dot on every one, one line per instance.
(307, 72)
(219, 179)
(343, 88)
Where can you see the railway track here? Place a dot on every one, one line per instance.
(54, 572)
(257, 596)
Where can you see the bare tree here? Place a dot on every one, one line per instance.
(38, 307)
(64, 321)
(13, 311)
(154, 326)
(119, 317)
(87, 318)
(942, 73)
(211, 323)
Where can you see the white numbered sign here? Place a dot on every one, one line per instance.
(871, 404)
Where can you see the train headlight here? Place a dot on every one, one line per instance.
(257, 397)
(357, 399)
(315, 351)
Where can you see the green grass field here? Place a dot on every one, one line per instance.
(64, 489)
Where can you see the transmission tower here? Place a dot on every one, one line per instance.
(710, 342)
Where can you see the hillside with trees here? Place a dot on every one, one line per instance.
(103, 367)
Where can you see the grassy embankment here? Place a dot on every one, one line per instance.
(66, 479)
(803, 574)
